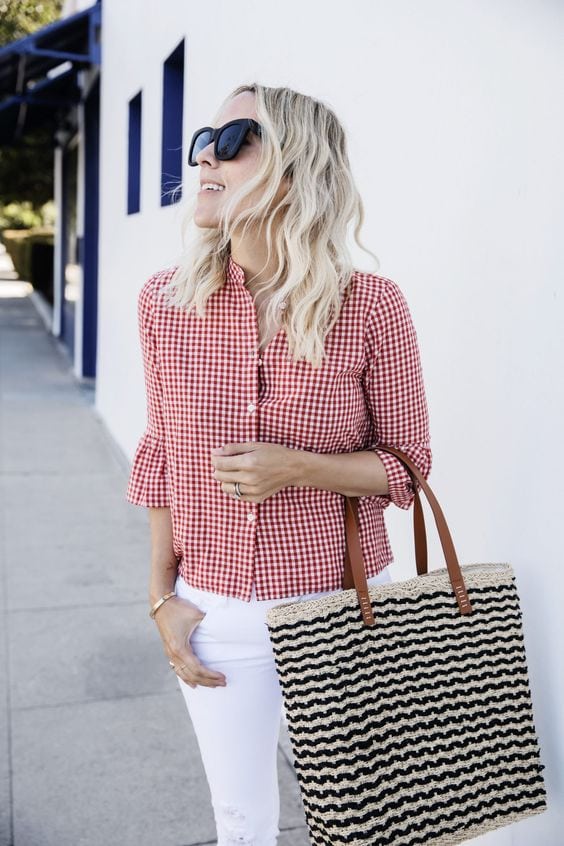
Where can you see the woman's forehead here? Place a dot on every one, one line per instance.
(222, 119)
(241, 106)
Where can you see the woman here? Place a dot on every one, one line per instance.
(273, 370)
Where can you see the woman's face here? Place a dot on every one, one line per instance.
(232, 173)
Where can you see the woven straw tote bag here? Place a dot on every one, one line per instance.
(408, 703)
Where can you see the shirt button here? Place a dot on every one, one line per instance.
(251, 406)
(250, 516)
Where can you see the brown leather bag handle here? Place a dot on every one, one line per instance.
(355, 573)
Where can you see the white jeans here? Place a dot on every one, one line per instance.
(238, 726)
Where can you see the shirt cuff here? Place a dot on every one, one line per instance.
(400, 485)
(148, 481)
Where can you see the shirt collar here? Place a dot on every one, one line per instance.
(235, 273)
(236, 276)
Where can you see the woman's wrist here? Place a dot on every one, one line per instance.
(156, 593)
(164, 583)
(164, 571)
(161, 601)
(360, 473)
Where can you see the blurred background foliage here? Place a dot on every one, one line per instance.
(20, 17)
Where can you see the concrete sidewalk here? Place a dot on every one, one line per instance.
(96, 745)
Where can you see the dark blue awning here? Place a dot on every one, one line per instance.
(31, 93)
(41, 105)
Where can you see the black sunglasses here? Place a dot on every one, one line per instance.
(228, 139)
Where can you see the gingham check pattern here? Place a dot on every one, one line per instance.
(207, 385)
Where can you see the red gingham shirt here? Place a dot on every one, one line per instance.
(208, 385)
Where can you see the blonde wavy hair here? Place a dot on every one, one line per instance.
(303, 140)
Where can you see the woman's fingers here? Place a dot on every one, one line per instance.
(194, 672)
(176, 634)
(190, 668)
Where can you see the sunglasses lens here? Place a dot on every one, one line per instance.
(202, 141)
(228, 142)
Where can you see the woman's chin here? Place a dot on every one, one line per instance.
(205, 220)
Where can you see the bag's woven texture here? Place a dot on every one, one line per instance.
(419, 729)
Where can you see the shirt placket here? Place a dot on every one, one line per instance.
(249, 413)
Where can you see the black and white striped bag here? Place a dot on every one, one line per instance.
(408, 703)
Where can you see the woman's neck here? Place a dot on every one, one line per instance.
(251, 255)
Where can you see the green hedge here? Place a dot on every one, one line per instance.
(19, 244)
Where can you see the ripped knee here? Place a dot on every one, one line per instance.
(234, 824)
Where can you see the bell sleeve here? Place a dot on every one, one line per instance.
(149, 481)
(395, 394)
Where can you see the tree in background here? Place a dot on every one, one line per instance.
(20, 17)
(26, 170)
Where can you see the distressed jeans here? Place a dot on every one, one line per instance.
(237, 726)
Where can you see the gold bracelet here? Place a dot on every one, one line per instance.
(160, 602)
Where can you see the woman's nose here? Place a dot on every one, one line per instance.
(206, 155)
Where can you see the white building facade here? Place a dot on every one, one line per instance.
(455, 135)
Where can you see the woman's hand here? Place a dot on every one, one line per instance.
(262, 469)
(176, 619)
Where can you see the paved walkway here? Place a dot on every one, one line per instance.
(96, 745)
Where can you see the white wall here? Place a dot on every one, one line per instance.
(455, 121)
